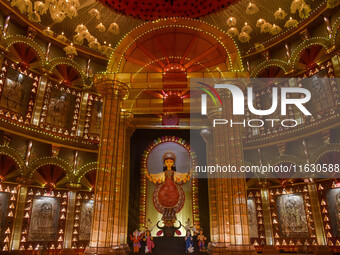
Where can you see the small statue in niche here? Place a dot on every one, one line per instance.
(136, 238)
(189, 244)
(149, 242)
(201, 238)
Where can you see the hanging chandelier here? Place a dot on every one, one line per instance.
(58, 9)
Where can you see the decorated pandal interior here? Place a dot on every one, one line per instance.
(97, 119)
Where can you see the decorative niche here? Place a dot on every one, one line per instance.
(60, 110)
(255, 219)
(44, 221)
(94, 112)
(292, 218)
(18, 89)
(82, 220)
(8, 206)
(329, 199)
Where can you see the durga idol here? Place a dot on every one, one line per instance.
(169, 196)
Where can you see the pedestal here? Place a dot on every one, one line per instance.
(322, 250)
(221, 248)
(270, 250)
(121, 249)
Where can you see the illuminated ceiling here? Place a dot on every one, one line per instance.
(193, 51)
(155, 9)
(128, 15)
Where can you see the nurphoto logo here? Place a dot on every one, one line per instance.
(302, 96)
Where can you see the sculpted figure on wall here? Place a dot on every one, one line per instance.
(292, 215)
(44, 219)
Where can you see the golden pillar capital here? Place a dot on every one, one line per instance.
(110, 88)
(126, 116)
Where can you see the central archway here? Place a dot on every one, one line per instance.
(191, 43)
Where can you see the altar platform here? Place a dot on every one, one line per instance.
(170, 246)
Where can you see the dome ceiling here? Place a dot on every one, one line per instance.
(108, 21)
(155, 9)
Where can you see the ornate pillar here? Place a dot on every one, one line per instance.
(125, 211)
(69, 219)
(317, 215)
(227, 190)
(39, 98)
(109, 193)
(212, 187)
(267, 218)
(123, 167)
(82, 114)
(19, 217)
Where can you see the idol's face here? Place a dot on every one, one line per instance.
(169, 163)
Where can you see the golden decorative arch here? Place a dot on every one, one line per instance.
(286, 159)
(85, 169)
(10, 40)
(50, 161)
(322, 150)
(335, 30)
(322, 41)
(268, 63)
(197, 26)
(5, 150)
(66, 61)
